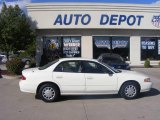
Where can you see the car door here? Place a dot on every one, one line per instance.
(68, 75)
(99, 79)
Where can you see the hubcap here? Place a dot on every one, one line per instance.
(130, 91)
(48, 93)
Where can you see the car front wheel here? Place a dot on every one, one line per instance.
(130, 90)
(49, 93)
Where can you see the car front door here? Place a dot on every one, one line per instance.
(99, 79)
(68, 75)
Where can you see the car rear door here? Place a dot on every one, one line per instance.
(68, 75)
(99, 79)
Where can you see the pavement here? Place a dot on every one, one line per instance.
(15, 105)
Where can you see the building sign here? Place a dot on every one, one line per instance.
(119, 43)
(156, 21)
(102, 43)
(148, 45)
(71, 46)
(104, 19)
(96, 19)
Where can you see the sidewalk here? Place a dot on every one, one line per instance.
(3, 67)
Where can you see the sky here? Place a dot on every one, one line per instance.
(22, 3)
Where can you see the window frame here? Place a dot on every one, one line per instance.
(68, 71)
(83, 68)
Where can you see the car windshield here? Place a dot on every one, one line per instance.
(48, 65)
(111, 68)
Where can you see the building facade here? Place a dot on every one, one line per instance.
(90, 29)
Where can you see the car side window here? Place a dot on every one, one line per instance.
(69, 66)
(93, 67)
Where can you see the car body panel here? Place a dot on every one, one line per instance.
(70, 82)
(81, 83)
(100, 82)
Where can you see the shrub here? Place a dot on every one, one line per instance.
(32, 64)
(147, 63)
(15, 66)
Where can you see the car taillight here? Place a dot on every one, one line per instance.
(23, 78)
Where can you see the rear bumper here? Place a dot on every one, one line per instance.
(27, 87)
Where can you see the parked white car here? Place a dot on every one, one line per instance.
(3, 58)
(78, 76)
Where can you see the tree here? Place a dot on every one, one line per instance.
(15, 30)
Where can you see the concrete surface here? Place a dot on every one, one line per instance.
(3, 67)
(15, 105)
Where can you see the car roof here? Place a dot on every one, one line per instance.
(78, 58)
(110, 54)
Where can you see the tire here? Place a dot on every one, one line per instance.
(130, 90)
(49, 93)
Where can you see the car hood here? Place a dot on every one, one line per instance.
(132, 75)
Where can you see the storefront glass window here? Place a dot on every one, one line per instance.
(59, 47)
(107, 44)
(120, 45)
(150, 48)
(71, 47)
(101, 44)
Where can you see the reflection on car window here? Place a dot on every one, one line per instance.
(69, 66)
(110, 60)
(111, 68)
(93, 67)
(48, 65)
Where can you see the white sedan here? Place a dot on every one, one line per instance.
(78, 76)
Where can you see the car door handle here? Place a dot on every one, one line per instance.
(89, 77)
(59, 76)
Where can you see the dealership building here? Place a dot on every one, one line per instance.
(90, 29)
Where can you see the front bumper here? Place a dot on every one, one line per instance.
(146, 87)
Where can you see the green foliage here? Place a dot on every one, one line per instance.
(147, 63)
(23, 54)
(15, 66)
(31, 49)
(32, 64)
(15, 30)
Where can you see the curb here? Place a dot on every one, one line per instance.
(11, 77)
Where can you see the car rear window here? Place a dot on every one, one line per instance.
(48, 65)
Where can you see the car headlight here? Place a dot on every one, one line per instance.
(147, 80)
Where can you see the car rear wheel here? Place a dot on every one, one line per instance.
(49, 93)
(130, 90)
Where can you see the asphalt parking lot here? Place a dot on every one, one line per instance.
(15, 105)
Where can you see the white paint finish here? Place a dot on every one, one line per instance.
(100, 82)
(72, 82)
(86, 47)
(135, 50)
(75, 83)
(95, 10)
